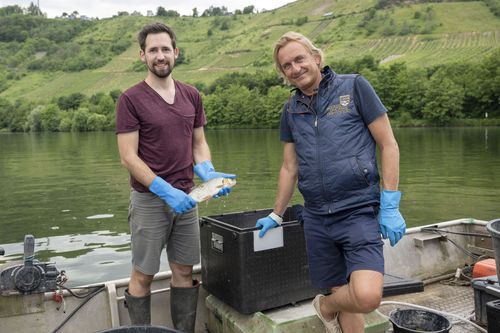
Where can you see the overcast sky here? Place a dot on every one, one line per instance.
(108, 8)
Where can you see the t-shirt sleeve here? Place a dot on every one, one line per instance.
(200, 118)
(368, 103)
(285, 131)
(126, 116)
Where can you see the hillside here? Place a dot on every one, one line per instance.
(419, 34)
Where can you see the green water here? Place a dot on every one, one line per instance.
(50, 183)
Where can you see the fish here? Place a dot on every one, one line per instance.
(208, 189)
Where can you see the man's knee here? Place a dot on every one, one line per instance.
(181, 275)
(140, 283)
(367, 298)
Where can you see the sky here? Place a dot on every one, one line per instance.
(108, 8)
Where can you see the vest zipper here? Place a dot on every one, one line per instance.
(318, 154)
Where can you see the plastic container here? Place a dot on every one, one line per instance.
(493, 312)
(249, 280)
(493, 228)
(486, 289)
(418, 321)
(140, 329)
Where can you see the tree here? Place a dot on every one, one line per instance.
(50, 117)
(443, 99)
(34, 10)
(160, 11)
(72, 101)
(195, 12)
(167, 13)
(10, 10)
(248, 9)
(215, 11)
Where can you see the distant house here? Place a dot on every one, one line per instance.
(150, 13)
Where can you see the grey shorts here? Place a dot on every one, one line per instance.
(154, 226)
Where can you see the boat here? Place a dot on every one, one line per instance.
(426, 270)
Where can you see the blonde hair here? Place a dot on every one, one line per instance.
(292, 36)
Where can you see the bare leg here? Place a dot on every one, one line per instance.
(140, 283)
(182, 275)
(361, 295)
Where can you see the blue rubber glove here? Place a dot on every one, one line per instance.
(266, 223)
(179, 201)
(205, 171)
(392, 223)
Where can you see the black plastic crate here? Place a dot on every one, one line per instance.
(493, 314)
(252, 281)
(486, 289)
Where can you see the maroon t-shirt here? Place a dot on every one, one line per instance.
(165, 130)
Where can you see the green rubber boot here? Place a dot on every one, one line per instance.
(139, 309)
(183, 302)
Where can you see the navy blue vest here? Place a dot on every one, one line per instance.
(336, 152)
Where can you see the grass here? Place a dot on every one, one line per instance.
(464, 31)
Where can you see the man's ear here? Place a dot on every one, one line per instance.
(176, 52)
(142, 55)
(317, 59)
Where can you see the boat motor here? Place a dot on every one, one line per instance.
(28, 277)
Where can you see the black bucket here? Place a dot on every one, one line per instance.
(418, 321)
(140, 329)
(493, 228)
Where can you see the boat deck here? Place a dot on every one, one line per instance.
(448, 298)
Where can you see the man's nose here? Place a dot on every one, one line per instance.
(295, 67)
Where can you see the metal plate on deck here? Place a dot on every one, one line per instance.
(396, 285)
(15, 305)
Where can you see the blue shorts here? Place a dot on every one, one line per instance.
(341, 243)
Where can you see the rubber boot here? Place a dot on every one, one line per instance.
(139, 309)
(183, 302)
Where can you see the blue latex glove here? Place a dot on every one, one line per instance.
(392, 223)
(265, 223)
(205, 171)
(179, 201)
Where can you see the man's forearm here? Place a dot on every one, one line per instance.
(286, 187)
(390, 166)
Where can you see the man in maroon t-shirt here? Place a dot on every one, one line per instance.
(159, 126)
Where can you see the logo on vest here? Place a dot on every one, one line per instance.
(342, 107)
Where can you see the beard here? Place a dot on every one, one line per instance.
(161, 72)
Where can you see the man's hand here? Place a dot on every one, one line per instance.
(271, 221)
(205, 171)
(179, 201)
(392, 223)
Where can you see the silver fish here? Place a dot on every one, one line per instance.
(208, 189)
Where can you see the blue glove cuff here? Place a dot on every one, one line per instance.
(390, 199)
(203, 168)
(158, 186)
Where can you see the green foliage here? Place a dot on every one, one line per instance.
(50, 117)
(72, 101)
(166, 13)
(301, 21)
(494, 6)
(231, 52)
(10, 10)
(248, 10)
(443, 100)
(215, 11)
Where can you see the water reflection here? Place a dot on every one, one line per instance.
(94, 257)
(51, 183)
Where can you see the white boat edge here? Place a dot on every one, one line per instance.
(431, 258)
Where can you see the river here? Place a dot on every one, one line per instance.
(51, 183)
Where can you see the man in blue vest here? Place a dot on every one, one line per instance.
(330, 127)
